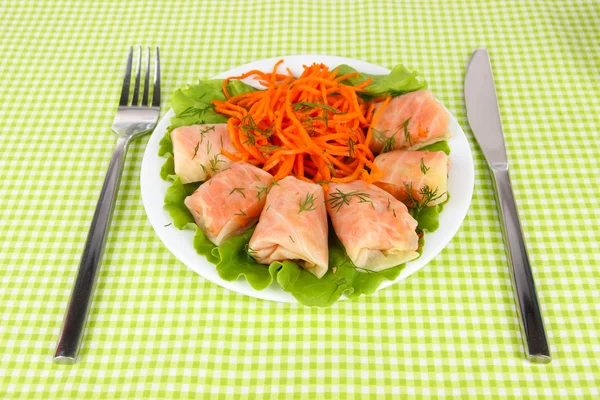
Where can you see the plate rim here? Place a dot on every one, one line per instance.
(170, 236)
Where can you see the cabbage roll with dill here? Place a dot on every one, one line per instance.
(293, 226)
(197, 151)
(411, 121)
(415, 177)
(376, 230)
(231, 202)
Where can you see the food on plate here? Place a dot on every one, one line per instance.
(265, 166)
(230, 202)
(411, 121)
(415, 176)
(376, 230)
(197, 151)
(293, 226)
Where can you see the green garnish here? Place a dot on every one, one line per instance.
(251, 129)
(424, 168)
(241, 213)
(265, 189)
(268, 149)
(351, 144)
(196, 150)
(189, 112)
(406, 132)
(339, 198)
(292, 239)
(332, 169)
(307, 104)
(203, 132)
(214, 162)
(239, 190)
(427, 196)
(308, 204)
(250, 252)
(389, 143)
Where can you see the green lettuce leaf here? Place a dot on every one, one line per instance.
(205, 247)
(233, 259)
(347, 278)
(176, 194)
(396, 83)
(428, 218)
(167, 171)
(439, 146)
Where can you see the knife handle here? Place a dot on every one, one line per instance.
(530, 316)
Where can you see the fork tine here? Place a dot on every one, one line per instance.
(138, 74)
(146, 81)
(125, 92)
(156, 94)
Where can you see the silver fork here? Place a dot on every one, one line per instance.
(131, 122)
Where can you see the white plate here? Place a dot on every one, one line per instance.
(460, 187)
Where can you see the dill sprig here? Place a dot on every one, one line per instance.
(189, 112)
(239, 190)
(339, 198)
(307, 104)
(196, 150)
(205, 131)
(215, 161)
(406, 132)
(308, 204)
(428, 195)
(351, 144)
(332, 169)
(292, 239)
(250, 252)
(268, 149)
(252, 129)
(264, 189)
(241, 213)
(424, 168)
(389, 142)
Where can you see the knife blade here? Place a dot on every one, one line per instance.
(484, 117)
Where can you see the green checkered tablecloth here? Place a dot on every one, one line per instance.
(158, 330)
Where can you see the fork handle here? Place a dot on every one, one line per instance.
(77, 310)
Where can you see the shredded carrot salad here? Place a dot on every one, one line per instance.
(313, 127)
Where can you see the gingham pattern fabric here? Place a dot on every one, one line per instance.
(158, 330)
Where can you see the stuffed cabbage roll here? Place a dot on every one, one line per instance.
(410, 121)
(231, 202)
(293, 226)
(375, 228)
(197, 151)
(424, 173)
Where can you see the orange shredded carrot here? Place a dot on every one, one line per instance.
(313, 127)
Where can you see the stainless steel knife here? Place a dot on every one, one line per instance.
(484, 118)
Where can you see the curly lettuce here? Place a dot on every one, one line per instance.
(233, 260)
(399, 81)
